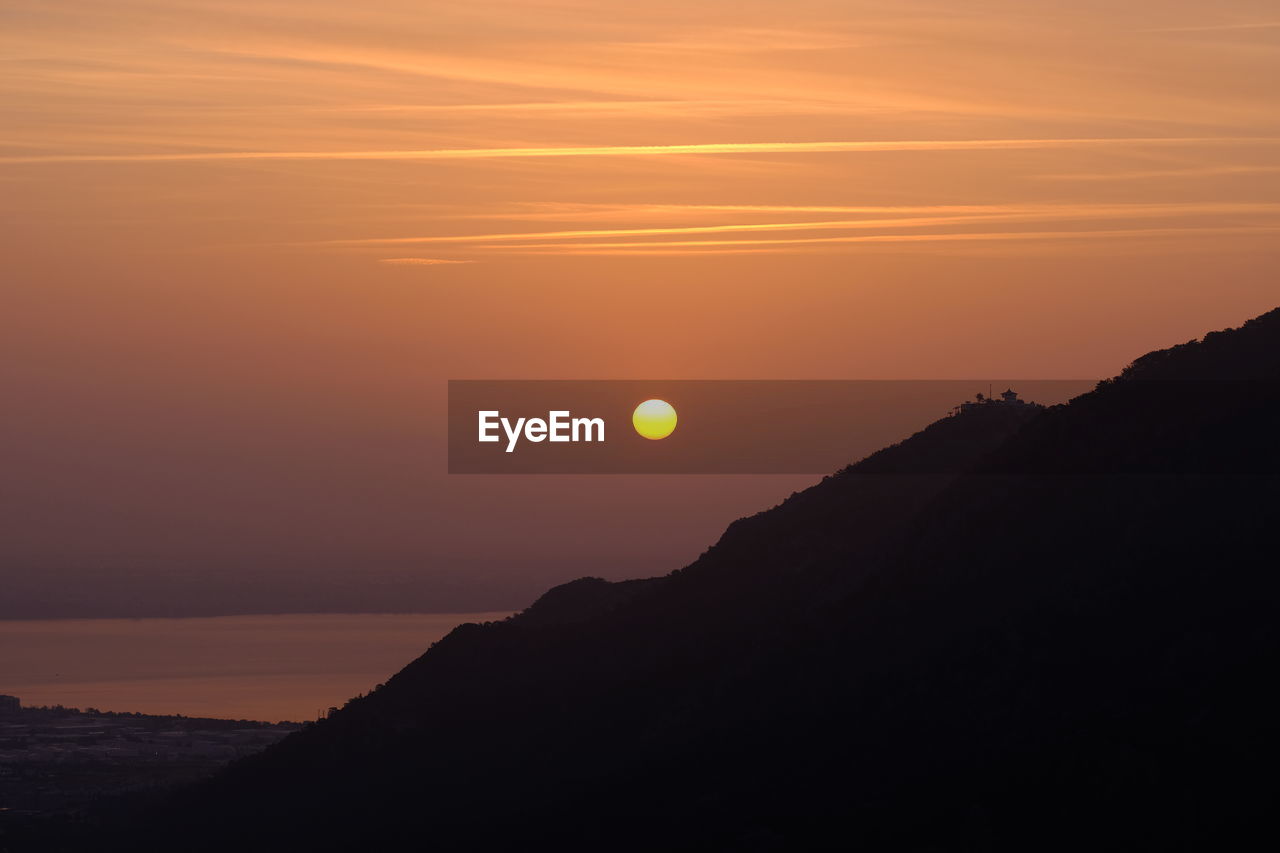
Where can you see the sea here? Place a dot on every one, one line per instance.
(272, 667)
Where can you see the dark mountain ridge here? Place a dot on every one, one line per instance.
(1019, 628)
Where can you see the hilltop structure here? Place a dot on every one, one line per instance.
(1008, 398)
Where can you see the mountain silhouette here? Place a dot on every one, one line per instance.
(1021, 628)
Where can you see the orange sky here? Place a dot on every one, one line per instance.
(246, 243)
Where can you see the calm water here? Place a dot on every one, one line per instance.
(251, 667)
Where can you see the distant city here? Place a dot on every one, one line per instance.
(56, 760)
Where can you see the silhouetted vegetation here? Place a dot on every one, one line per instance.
(32, 713)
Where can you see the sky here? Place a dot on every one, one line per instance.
(246, 244)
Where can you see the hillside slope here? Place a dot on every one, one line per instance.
(1030, 630)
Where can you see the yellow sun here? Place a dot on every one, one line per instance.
(654, 419)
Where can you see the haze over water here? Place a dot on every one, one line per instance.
(274, 667)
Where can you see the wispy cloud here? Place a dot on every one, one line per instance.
(831, 147)
(1146, 174)
(1206, 28)
(636, 107)
(958, 215)
(790, 244)
(407, 123)
(422, 262)
(582, 211)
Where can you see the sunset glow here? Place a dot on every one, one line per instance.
(255, 240)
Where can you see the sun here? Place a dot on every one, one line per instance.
(654, 419)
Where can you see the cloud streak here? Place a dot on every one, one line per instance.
(1149, 174)
(422, 262)
(789, 244)
(1209, 28)
(958, 215)
(711, 148)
